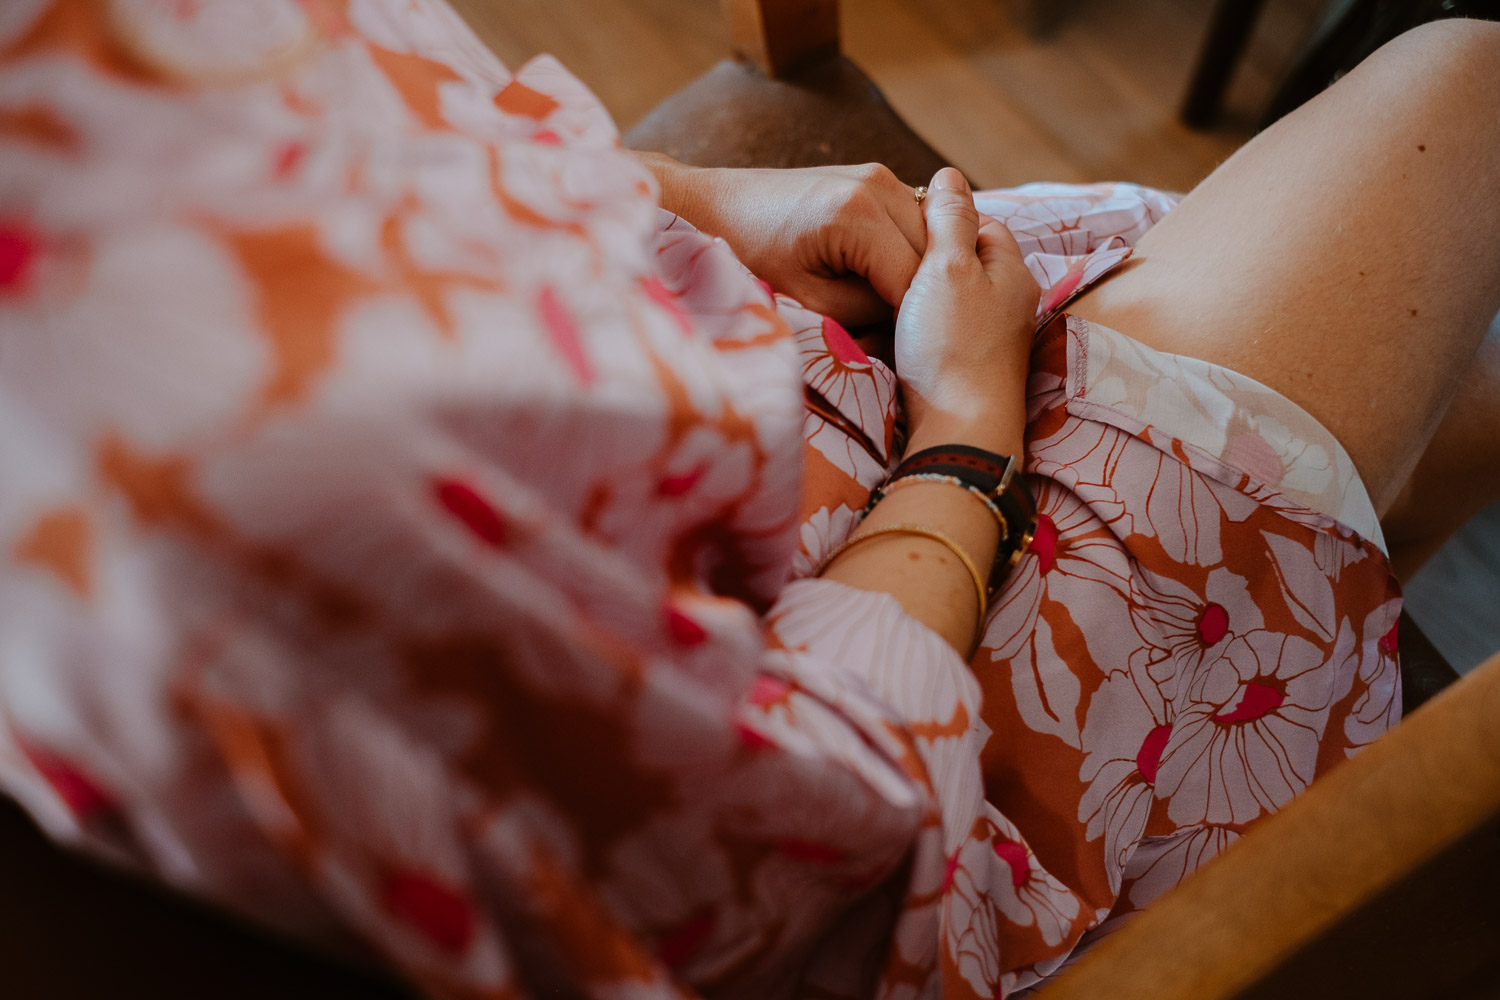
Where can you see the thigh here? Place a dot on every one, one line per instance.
(1459, 472)
(1349, 256)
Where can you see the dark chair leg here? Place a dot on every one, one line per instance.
(1424, 671)
(1348, 31)
(1230, 29)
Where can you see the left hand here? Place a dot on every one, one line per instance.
(963, 339)
(844, 241)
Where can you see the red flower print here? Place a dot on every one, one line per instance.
(1212, 624)
(441, 914)
(1246, 736)
(841, 345)
(1388, 643)
(862, 392)
(684, 630)
(751, 738)
(1180, 629)
(1148, 757)
(19, 246)
(563, 329)
(768, 690)
(676, 486)
(1124, 735)
(288, 157)
(1014, 855)
(84, 797)
(473, 510)
(1044, 542)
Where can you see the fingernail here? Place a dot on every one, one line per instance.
(949, 179)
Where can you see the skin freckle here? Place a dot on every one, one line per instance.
(1421, 149)
(914, 556)
(1412, 311)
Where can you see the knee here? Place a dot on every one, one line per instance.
(1442, 73)
(1451, 46)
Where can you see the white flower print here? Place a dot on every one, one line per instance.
(1180, 629)
(821, 533)
(1379, 706)
(1074, 562)
(1307, 591)
(1124, 735)
(996, 881)
(1160, 863)
(1247, 731)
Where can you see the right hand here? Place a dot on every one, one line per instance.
(843, 241)
(963, 334)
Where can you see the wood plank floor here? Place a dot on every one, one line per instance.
(1096, 100)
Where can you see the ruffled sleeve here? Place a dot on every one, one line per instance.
(397, 512)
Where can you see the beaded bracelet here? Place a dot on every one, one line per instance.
(890, 486)
(990, 474)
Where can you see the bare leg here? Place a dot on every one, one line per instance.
(1349, 258)
(1459, 473)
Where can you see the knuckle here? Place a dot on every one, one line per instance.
(954, 210)
(858, 204)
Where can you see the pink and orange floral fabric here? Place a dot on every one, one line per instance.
(406, 531)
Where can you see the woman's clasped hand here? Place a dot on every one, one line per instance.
(855, 243)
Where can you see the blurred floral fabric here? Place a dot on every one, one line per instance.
(406, 531)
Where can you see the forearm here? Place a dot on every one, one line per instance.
(683, 188)
(921, 573)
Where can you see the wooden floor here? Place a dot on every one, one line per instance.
(1096, 100)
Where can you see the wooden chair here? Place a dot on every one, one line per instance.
(1413, 818)
(1379, 882)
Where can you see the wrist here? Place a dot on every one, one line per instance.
(676, 180)
(994, 427)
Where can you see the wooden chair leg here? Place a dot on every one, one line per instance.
(1230, 29)
(1349, 31)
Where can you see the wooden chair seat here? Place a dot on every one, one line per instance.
(828, 112)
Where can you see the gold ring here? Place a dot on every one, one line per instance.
(921, 193)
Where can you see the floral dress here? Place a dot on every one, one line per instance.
(406, 532)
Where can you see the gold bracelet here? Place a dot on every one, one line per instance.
(917, 529)
(969, 488)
